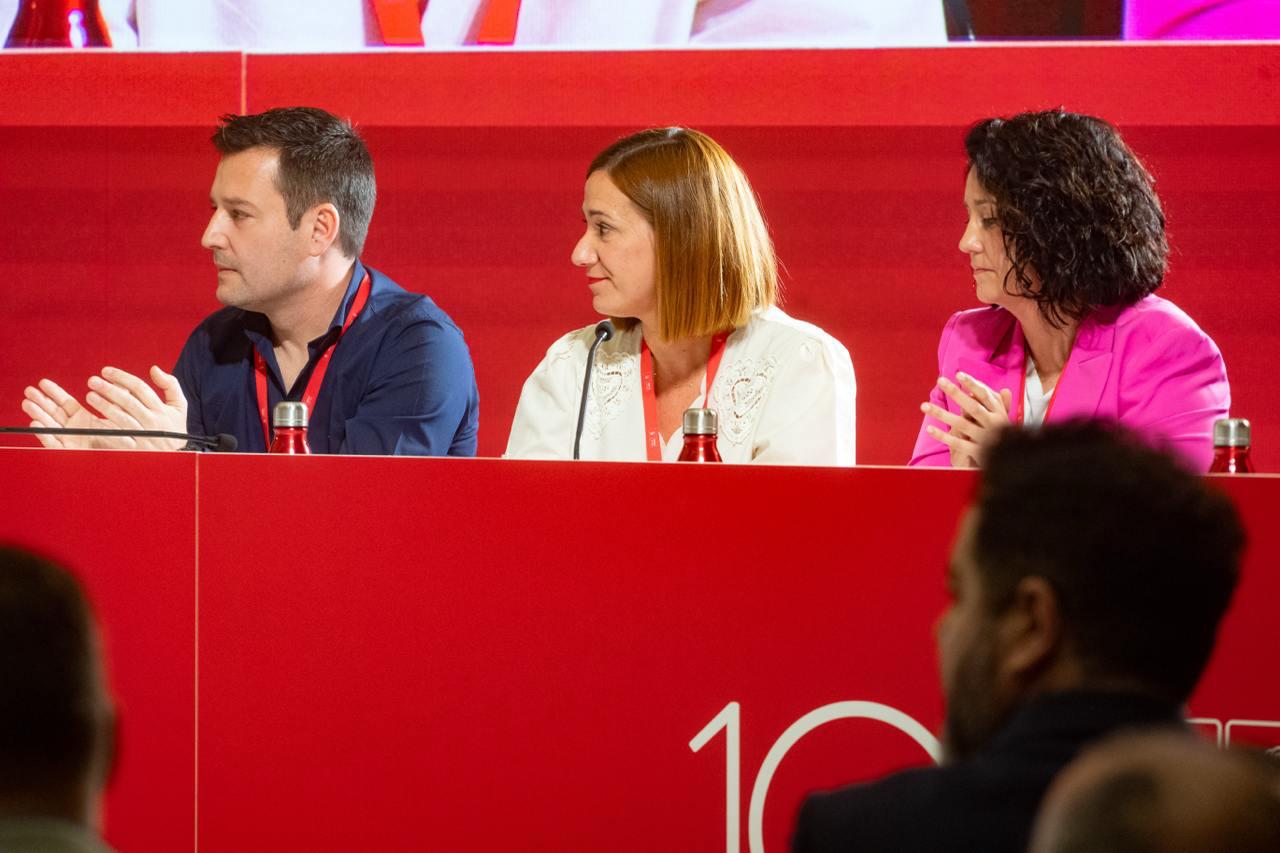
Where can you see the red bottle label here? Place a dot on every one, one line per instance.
(699, 448)
(292, 440)
(1231, 460)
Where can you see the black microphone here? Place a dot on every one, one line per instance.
(604, 331)
(221, 443)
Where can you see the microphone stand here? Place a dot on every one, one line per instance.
(222, 442)
(604, 331)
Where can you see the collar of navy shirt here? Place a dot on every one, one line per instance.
(257, 329)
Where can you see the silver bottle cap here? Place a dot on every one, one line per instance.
(1231, 432)
(699, 421)
(288, 414)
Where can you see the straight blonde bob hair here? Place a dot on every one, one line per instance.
(714, 261)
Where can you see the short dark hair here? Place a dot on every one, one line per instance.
(322, 159)
(1077, 208)
(54, 710)
(1142, 554)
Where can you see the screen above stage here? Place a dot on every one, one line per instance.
(353, 25)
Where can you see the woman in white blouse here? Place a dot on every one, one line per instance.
(677, 253)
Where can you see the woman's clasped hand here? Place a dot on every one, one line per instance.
(983, 413)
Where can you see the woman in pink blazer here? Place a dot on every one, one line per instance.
(1065, 237)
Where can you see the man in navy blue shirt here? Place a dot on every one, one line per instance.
(382, 370)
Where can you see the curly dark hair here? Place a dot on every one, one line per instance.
(1078, 211)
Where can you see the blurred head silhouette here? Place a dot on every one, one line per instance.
(1162, 793)
(56, 718)
(1087, 561)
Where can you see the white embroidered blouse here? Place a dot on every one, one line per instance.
(784, 393)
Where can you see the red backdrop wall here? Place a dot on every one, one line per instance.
(856, 155)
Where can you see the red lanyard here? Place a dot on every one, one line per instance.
(1022, 392)
(653, 437)
(317, 375)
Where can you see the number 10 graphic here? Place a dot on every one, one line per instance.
(730, 720)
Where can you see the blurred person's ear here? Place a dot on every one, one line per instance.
(1029, 633)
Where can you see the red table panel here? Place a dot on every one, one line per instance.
(125, 523)
(459, 649)
(480, 655)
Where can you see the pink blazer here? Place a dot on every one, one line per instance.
(1148, 366)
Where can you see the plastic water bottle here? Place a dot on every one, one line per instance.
(1231, 441)
(290, 422)
(700, 436)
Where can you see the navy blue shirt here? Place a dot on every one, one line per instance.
(399, 382)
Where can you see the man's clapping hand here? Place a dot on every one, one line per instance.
(116, 400)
